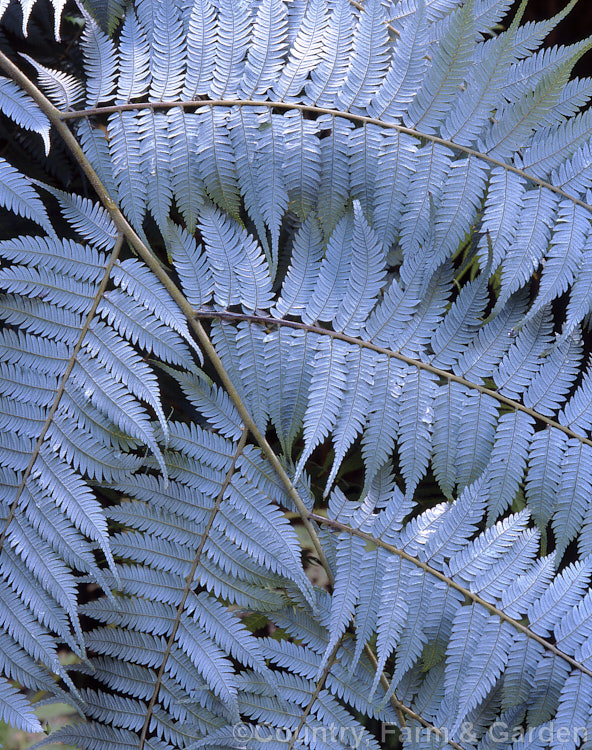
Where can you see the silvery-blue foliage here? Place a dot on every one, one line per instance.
(381, 213)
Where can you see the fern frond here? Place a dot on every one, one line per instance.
(447, 71)
(289, 356)
(125, 156)
(185, 176)
(90, 220)
(167, 58)
(332, 280)
(232, 40)
(505, 469)
(134, 76)
(327, 78)
(369, 59)
(407, 67)
(570, 510)
(23, 110)
(100, 63)
(355, 405)
(265, 55)
(379, 435)
(305, 264)
(15, 709)
(327, 386)
(16, 194)
(155, 164)
(237, 277)
(382, 248)
(217, 168)
(416, 418)
(305, 51)
(486, 351)
(201, 49)
(301, 164)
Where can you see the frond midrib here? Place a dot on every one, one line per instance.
(445, 374)
(311, 109)
(62, 385)
(546, 644)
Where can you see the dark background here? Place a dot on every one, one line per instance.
(574, 28)
(577, 25)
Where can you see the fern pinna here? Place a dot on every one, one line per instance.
(329, 285)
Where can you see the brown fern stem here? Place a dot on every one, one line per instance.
(266, 320)
(58, 118)
(123, 225)
(311, 109)
(323, 520)
(400, 708)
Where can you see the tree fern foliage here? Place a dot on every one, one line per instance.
(327, 286)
